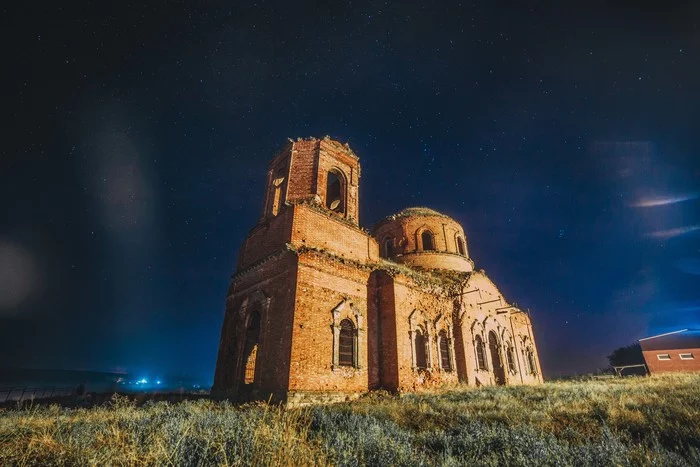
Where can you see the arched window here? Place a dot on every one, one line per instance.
(427, 239)
(252, 339)
(389, 247)
(460, 246)
(421, 360)
(346, 352)
(445, 361)
(532, 367)
(277, 182)
(480, 353)
(510, 357)
(334, 192)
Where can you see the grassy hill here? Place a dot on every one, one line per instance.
(633, 421)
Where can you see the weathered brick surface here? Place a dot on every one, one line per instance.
(303, 173)
(268, 236)
(657, 366)
(431, 310)
(315, 229)
(323, 284)
(273, 280)
(305, 269)
(404, 233)
(482, 309)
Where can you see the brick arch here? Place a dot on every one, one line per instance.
(251, 341)
(444, 325)
(346, 310)
(342, 191)
(477, 327)
(458, 237)
(511, 352)
(419, 237)
(531, 365)
(419, 323)
(390, 241)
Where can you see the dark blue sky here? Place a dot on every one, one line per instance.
(136, 138)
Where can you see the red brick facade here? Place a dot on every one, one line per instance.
(674, 363)
(677, 351)
(320, 307)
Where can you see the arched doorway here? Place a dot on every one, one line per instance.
(250, 348)
(496, 362)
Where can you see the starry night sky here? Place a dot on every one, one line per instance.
(136, 138)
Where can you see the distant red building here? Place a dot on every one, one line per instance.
(673, 351)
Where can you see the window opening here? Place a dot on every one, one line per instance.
(251, 346)
(334, 192)
(389, 247)
(427, 237)
(346, 353)
(421, 360)
(277, 195)
(445, 352)
(480, 353)
(460, 246)
(510, 356)
(531, 361)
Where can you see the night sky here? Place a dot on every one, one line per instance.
(135, 140)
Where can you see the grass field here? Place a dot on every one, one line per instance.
(632, 421)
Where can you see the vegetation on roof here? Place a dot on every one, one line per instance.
(416, 211)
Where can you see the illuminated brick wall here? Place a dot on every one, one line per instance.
(309, 277)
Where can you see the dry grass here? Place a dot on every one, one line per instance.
(633, 421)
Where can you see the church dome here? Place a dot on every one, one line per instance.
(416, 211)
(423, 237)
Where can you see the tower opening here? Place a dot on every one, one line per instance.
(334, 192)
(277, 192)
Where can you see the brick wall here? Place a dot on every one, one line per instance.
(482, 309)
(431, 260)
(333, 155)
(332, 272)
(323, 284)
(303, 169)
(316, 229)
(266, 238)
(382, 286)
(275, 280)
(657, 366)
(434, 313)
(408, 245)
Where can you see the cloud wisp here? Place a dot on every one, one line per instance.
(670, 233)
(663, 200)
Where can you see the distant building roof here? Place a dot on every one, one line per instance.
(682, 339)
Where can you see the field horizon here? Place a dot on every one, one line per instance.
(621, 421)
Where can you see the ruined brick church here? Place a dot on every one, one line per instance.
(321, 308)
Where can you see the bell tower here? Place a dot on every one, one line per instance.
(320, 172)
(297, 279)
